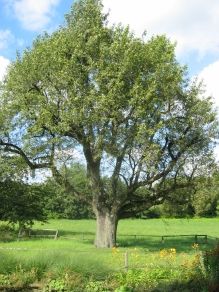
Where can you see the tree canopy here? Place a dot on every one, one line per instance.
(123, 102)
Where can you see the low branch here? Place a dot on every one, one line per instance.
(139, 203)
(9, 147)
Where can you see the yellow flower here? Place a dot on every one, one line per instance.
(195, 246)
(168, 253)
(115, 250)
(163, 253)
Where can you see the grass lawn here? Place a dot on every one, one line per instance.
(74, 249)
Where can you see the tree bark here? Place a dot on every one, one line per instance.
(106, 228)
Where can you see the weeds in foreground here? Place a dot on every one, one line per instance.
(154, 277)
(211, 264)
(159, 271)
(18, 279)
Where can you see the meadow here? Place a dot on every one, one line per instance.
(140, 251)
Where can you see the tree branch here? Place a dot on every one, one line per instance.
(10, 147)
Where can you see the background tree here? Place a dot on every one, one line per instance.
(199, 197)
(21, 203)
(63, 203)
(206, 196)
(124, 102)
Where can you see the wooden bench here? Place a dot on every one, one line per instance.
(51, 233)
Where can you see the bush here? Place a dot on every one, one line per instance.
(17, 280)
(7, 232)
(211, 263)
(21, 203)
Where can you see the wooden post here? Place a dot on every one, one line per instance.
(56, 235)
(126, 261)
(19, 235)
(196, 239)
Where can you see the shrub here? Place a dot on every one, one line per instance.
(69, 281)
(7, 232)
(21, 203)
(211, 263)
(18, 279)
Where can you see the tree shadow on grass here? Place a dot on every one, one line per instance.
(181, 244)
(152, 243)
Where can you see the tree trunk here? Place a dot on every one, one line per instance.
(106, 228)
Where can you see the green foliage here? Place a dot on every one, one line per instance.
(21, 203)
(170, 209)
(57, 285)
(147, 279)
(211, 263)
(12, 167)
(7, 232)
(124, 102)
(64, 203)
(206, 196)
(68, 281)
(4, 281)
(198, 199)
(17, 280)
(176, 210)
(96, 286)
(123, 289)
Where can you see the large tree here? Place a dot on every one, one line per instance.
(124, 102)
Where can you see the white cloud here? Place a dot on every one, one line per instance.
(3, 66)
(192, 23)
(209, 75)
(5, 37)
(33, 15)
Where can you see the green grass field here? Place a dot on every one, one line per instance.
(74, 249)
(74, 246)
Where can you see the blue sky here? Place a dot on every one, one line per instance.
(22, 20)
(193, 24)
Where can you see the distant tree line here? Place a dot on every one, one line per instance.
(24, 203)
(198, 199)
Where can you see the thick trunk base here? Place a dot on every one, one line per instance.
(106, 227)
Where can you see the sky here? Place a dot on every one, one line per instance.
(192, 24)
